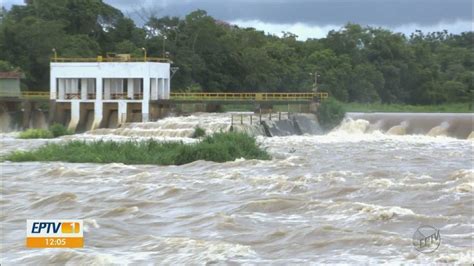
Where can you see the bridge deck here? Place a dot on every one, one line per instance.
(213, 97)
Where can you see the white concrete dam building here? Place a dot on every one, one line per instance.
(116, 84)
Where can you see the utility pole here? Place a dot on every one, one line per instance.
(55, 55)
(144, 54)
(315, 85)
(164, 40)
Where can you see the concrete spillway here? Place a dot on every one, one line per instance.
(298, 124)
(431, 124)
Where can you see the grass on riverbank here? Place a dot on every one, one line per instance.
(378, 107)
(56, 130)
(220, 147)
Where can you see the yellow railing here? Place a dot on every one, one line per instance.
(218, 96)
(25, 94)
(35, 94)
(109, 59)
(203, 96)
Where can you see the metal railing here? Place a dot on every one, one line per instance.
(109, 59)
(25, 94)
(218, 96)
(194, 96)
(242, 119)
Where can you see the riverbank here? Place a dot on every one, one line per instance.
(220, 147)
(405, 108)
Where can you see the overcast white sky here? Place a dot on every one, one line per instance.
(314, 18)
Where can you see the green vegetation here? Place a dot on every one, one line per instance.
(56, 130)
(355, 63)
(330, 114)
(59, 130)
(220, 147)
(199, 132)
(378, 107)
(36, 133)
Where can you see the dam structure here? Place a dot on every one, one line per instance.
(89, 94)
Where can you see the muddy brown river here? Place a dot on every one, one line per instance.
(352, 196)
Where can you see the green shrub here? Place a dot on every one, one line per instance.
(219, 147)
(59, 130)
(54, 131)
(36, 133)
(199, 132)
(330, 113)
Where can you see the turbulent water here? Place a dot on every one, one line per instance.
(356, 195)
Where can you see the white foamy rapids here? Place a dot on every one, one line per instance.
(362, 126)
(180, 127)
(429, 124)
(399, 129)
(348, 125)
(441, 130)
(471, 136)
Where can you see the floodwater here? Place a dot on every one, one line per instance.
(352, 196)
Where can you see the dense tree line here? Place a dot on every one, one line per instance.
(355, 63)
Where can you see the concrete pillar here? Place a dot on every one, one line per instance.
(52, 112)
(26, 114)
(98, 114)
(145, 111)
(84, 86)
(130, 88)
(99, 89)
(122, 112)
(75, 115)
(313, 107)
(146, 100)
(167, 89)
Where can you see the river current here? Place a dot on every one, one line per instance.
(350, 196)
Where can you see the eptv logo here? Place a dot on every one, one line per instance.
(54, 234)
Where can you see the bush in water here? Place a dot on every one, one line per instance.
(219, 147)
(59, 130)
(56, 130)
(199, 132)
(36, 133)
(330, 113)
